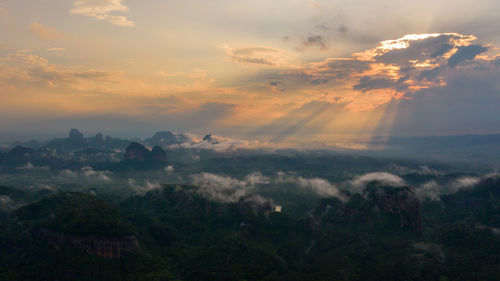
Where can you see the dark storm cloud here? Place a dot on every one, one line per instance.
(419, 50)
(402, 66)
(314, 41)
(443, 49)
(468, 103)
(429, 74)
(466, 53)
(367, 83)
(324, 72)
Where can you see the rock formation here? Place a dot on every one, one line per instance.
(137, 152)
(397, 200)
(401, 201)
(158, 155)
(19, 155)
(76, 136)
(107, 247)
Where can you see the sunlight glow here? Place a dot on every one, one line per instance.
(404, 42)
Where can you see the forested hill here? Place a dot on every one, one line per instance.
(382, 233)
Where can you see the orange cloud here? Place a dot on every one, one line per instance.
(258, 56)
(103, 10)
(45, 32)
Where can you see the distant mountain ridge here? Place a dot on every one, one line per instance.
(479, 150)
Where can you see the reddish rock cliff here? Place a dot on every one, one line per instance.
(136, 151)
(108, 247)
(159, 155)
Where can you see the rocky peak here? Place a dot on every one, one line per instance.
(99, 137)
(397, 200)
(19, 155)
(20, 152)
(159, 155)
(136, 151)
(107, 247)
(75, 135)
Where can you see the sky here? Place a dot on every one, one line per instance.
(286, 72)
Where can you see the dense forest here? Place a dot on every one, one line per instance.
(382, 233)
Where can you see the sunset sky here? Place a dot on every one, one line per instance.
(276, 71)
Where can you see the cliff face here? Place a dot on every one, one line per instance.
(402, 201)
(107, 247)
(19, 155)
(159, 155)
(136, 151)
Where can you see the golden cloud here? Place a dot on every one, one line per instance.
(45, 32)
(103, 10)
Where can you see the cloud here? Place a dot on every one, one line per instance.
(367, 83)
(258, 204)
(7, 204)
(220, 188)
(23, 68)
(282, 177)
(67, 174)
(465, 182)
(420, 170)
(281, 100)
(217, 143)
(359, 182)
(55, 49)
(471, 98)
(320, 186)
(141, 189)
(394, 71)
(432, 190)
(45, 32)
(31, 167)
(226, 189)
(277, 86)
(256, 178)
(466, 53)
(93, 175)
(103, 10)
(398, 66)
(85, 174)
(256, 55)
(44, 187)
(314, 41)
